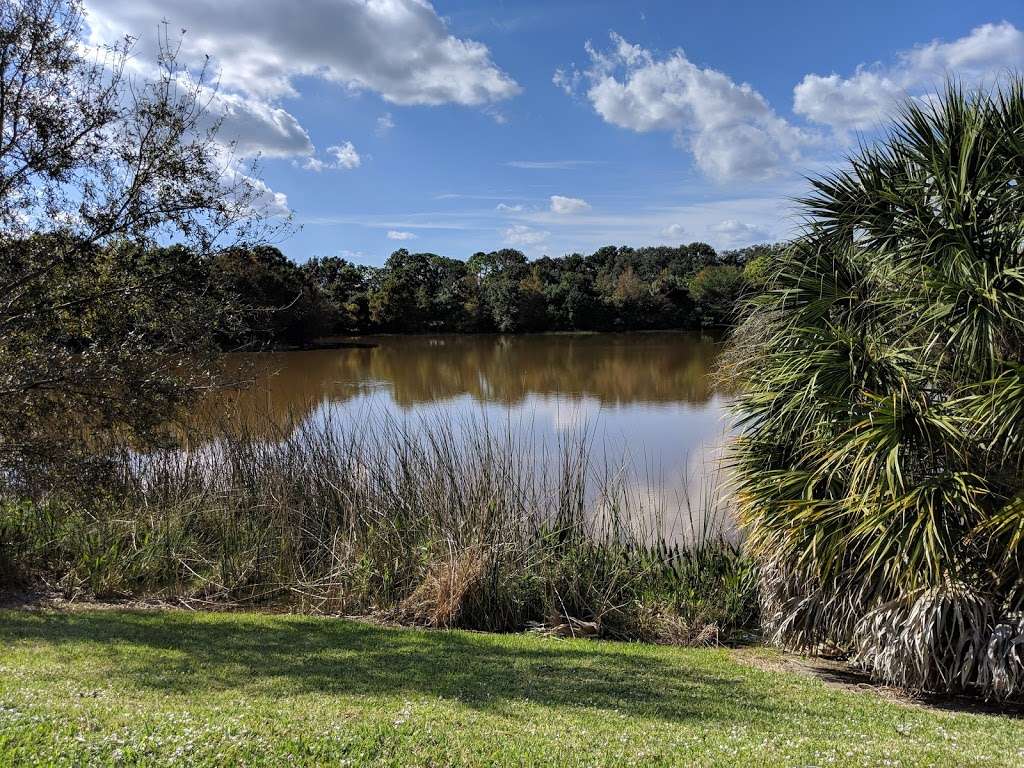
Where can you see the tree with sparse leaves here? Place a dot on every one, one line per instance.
(102, 166)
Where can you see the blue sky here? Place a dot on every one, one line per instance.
(555, 126)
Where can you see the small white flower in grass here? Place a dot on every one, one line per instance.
(404, 714)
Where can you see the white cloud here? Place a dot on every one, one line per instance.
(256, 127)
(674, 231)
(567, 80)
(394, 234)
(264, 200)
(345, 156)
(247, 191)
(862, 100)
(496, 115)
(522, 235)
(566, 205)
(730, 128)
(734, 233)
(245, 127)
(547, 165)
(400, 49)
(384, 124)
(506, 208)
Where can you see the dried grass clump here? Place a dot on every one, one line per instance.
(439, 599)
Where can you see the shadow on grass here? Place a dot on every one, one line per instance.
(179, 653)
(841, 674)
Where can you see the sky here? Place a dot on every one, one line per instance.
(557, 127)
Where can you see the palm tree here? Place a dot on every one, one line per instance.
(880, 461)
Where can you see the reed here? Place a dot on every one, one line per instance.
(439, 524)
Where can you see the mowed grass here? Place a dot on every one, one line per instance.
(179, 688)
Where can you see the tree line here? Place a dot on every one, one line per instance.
(613, 288)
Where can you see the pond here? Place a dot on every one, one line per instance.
(644, 401)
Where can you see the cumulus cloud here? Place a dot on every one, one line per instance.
(400, 49)
(732, 232)
(345, 156)
(524, 236)
(263, 200)
(730, 128)
(506, 208)
(674, 231)
(567, 79)
(256, 127)
(394, 234)
(863, 99)
(564, 205)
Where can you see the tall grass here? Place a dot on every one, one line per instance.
(440, 524)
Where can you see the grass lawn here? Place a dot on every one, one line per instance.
(123, 688)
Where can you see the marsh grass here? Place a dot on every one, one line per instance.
(438, 524)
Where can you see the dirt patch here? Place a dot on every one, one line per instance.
(836, 673)
(55, 601)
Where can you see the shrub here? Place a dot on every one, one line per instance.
(880, 461)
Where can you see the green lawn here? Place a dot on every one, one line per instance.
(122, 688)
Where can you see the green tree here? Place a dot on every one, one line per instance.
(572, 302)
(716, 291)
(279, 305)
(632, 300)
(881, 470)
(501, 275)
(95, 167)
(420, 292)
(344, 290)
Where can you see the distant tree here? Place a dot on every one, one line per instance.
(533, 310)
(501, 275)
(633, 302)
(279, 305)
(397, 302)
(420, 292)
(716, 292)
(675, 304)
(757, 271)
(343, 289)
(572, 301)
(701, 254)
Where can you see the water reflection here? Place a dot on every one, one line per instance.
(645, 398)
(611, 369)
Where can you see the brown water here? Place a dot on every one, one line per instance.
(645, 399)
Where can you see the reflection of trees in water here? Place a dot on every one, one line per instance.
(615, 369)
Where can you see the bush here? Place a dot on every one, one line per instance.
(880, 463)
